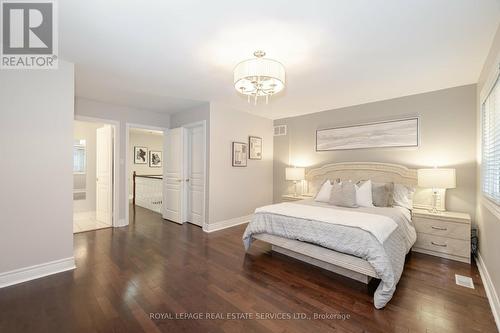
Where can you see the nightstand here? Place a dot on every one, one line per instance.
(291, 197)
(445, 234)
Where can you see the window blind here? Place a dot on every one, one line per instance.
(78, 159)
(490, 126)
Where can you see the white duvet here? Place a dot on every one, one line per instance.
(381, 227)
(380, 235)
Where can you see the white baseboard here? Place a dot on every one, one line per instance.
(211, 227)
(490, 289)
(36, 271)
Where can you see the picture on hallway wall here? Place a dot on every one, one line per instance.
(140, 155)
(394, 133)
(155, 159)
(255, 145)
(239, 154)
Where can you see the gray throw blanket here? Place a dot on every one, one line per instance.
(387, 258)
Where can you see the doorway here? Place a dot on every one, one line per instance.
(93, 175)
(144, 167)
(185, 174)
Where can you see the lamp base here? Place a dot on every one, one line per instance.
(434, 211)
(435, 198)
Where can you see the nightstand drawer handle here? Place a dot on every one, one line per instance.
(439, 228)
(437, 244)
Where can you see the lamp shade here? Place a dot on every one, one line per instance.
(294, 173)
(437, 178)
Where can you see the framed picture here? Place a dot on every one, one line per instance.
(393, 133)
(140, 155)
(155, 159)
(255, 148)
(239, 154)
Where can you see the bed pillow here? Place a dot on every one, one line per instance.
(403, 196)
(364, 194)
(382, 194)
(343, 194)
(323, 194)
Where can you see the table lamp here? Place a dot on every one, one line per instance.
(436, 178)
(295, 174)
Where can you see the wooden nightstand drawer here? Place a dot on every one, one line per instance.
(442, 228)
(443, 234)
(444, 245)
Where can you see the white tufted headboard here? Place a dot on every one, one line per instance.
(355, 171)
(378, 172)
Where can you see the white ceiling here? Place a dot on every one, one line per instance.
(172, 55)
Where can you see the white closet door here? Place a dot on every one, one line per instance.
(104, 174)
(196, 174)
(173, 181)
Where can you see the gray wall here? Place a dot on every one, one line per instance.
(193, 115)
(488, 221)
(236, 191)
(36, 172)
(448, 135)
(122, 114)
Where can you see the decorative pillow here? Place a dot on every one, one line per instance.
(382, 194)
(343, 195)
(403, 196)
(364, 194)
(323, 194)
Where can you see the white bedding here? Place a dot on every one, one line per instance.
(379, 226)
(339, 229)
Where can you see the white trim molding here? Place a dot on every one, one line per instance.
(491, 206)
(36, 271)
(211, 227)
(489, 288)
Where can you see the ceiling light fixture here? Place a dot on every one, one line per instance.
(259, 77)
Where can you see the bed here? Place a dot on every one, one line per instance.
(360, 243)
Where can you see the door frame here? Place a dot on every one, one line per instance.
(129, 126)
(116, 157)
(203, 124)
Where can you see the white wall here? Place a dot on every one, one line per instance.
(236, 191)
(488, 220)
(150, 141)
(122, 114)
(36, 169)
(88, 132)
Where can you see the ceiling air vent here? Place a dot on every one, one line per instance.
(279, 130)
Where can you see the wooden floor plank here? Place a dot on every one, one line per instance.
(126, 275)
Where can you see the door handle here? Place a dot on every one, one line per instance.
(439, 228)
(438, 244)
(179, 180)
(187, 179)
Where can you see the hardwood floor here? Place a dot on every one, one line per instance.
(154, 267)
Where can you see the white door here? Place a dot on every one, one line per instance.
(104, 174)
(195, 181)
(173, 176)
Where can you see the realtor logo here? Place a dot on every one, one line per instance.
(29, 38)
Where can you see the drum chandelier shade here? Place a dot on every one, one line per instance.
(259, 77)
